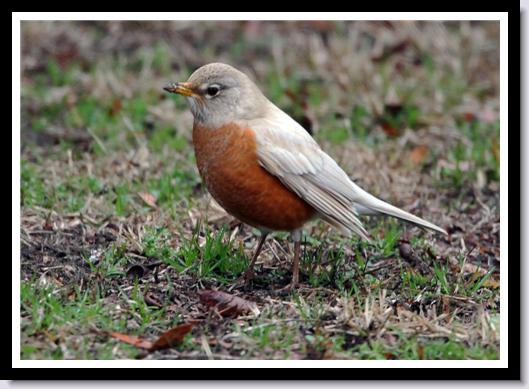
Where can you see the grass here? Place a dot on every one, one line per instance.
(47, 318)
(97, 135)
(217, 258)
(68, 193)
(475, 158)
(436, 350)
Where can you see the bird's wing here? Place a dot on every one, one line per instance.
(288, 152)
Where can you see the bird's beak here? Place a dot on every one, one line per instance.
(182, 88)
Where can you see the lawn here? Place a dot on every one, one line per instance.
(118, 233)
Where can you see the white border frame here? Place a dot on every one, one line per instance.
(17, 17)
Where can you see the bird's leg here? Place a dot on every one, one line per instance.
(248, 274)
(295, 263)
(296, 237)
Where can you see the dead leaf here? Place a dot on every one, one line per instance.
(419, 154)
(151, 299)
(133, 340)
(390, 356)
(148, 199)
(167, 339)
(116, 107)
(66, 55)
(389, 129)
(173, 336)
(227, 304)
(319, 25)
(469, 117)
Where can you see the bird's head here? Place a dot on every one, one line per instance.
(218, 94)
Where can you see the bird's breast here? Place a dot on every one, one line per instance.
(227, 161)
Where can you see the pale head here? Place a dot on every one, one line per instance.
(218, 94)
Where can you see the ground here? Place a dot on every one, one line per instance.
(118, 234)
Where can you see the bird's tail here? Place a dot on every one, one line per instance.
(368, 204)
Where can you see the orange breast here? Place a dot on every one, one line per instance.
(227, 161)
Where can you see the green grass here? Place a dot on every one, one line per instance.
(478, 154)
(48, 314)
(218, 258)
(112, 263)
(414, 349)
(167, 137)
(67, 193)
(173, 187)
(33, 190)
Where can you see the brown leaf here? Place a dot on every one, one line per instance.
(469, 117)
(66, 55)
(319, 25)
(227, 304)
(116, 107)
(167, 339)
(389, 129)
(418, 154)
(390, 356)
(148, 198)
(173, 336)
(151, 299)
(131, 339)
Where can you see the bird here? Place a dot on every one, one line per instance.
(265, 169)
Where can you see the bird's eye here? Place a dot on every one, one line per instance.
(213, 90)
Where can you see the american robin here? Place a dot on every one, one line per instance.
(264, 168)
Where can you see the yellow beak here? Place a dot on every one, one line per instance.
(182, 88)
